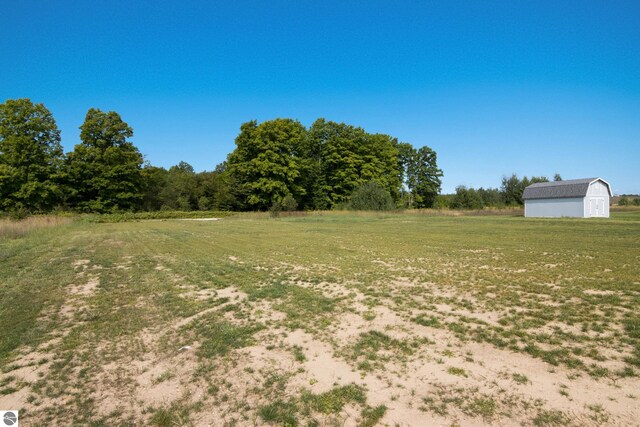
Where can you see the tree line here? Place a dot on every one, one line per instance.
(277, 164)
(509, 194)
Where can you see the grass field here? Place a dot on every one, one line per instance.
(325, 319)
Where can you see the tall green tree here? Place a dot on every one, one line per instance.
(103, 173)
(348, 157)
(513, 187)
(423, 177)
(154, 179)
(30, 156)
(180, 191)
(266, 161)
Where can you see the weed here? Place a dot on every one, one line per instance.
(520, 378)
(550, 418)
(280, 412)
(457, 371)
(332, 401)
(370, 416)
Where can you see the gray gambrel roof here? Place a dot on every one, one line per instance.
(571, 188)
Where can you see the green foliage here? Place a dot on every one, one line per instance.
(349, 157)
(513, 187)
(181, 188)
(322, 167)
(423, 178)
(30, 157)
(371, 197)
(467, 198)
(103, 173)
(632, 327)
(332, 401)
(371, 416)
(280, 412)
(163, 214)
(287, 204)
(171, 416)
(266, 161)
(218, 336)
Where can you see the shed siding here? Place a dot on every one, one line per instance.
(550, 208)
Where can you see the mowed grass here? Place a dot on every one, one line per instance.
(564, 291)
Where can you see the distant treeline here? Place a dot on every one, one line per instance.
(509, 194)
(629, 200)
(277, 164)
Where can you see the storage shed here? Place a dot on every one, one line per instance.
(580, 198)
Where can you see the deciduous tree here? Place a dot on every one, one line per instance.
(103, 172)
(266, 162)
(30, 156)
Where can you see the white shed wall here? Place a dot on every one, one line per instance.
(596, 204)
(550, 208)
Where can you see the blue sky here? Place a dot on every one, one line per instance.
(495, 87)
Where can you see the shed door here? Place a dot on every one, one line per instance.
(600, 207)
(596, 207)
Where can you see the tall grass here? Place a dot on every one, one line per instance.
(10, 229)
(140, 216)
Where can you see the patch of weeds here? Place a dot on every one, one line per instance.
(373, 348)
(599, 414)
(371, 416)
(369, 315)
(632, 327)
(437, 407)
(550, 418)
(431, 321)
(634, 359)
(165, 376)
(277, 381)
(520, 378)
(457, 371)
(298, 354)
(172, 416)
(598, 372)
(481, 406)
(563, 390)
(332, 401)
(218, 336)
(280, 412)
(626, 372)
(301, 305)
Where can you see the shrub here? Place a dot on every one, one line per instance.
(287, 204)
(371, 197)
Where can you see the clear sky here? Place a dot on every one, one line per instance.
(494, 87)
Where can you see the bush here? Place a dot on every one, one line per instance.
(287, 204)
(624, 202)
(371, 197)
(19, 213)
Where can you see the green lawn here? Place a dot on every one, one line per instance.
(370, 318)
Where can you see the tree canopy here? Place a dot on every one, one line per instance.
(277, 164)
(30, 156)
(322, 166)
(103, 173)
